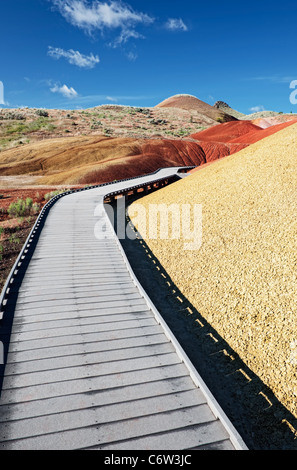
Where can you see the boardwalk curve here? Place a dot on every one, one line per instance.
(90, 363)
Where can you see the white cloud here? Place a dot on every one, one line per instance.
(74, 57)
(132, 56)
(111, 98)
(273, 78)
(103, 16)
(257, 109)
(176, 24)
(65, 91)
(96, 100)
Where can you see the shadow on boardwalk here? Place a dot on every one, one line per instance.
(262, 421)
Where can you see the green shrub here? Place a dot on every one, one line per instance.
(11, 116)
(35, 209)
(29, 203)
(52, 194)
(20, 208)
(16, 128)
(42, 112)
(17, 209)
(14, 239)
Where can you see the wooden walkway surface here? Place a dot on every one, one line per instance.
(91, 364)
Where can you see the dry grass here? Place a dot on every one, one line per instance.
(243, 278)
(19, 127)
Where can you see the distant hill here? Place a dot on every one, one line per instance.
(19, 127)
(228, 110)
(58, 147)
(190, 102)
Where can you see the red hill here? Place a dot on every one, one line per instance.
(227, 132)
(259, 134)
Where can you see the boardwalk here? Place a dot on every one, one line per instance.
(91, 364)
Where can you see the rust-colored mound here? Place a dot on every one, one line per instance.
(255, 136)
(82, 160)
(216, 150)
(129, 167)
(145, 156)
(182, 152)
(190, 102)
(148, 156)
(226, 132)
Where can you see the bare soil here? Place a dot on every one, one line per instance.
(11, 241)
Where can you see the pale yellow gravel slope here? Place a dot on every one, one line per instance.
(243, 279)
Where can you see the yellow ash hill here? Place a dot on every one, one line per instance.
(243, 277)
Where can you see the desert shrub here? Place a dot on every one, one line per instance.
(35, 208)
(17, 209)
(21, 128)
(20, 208)
(16, 128)
(143, 111)
(158, 122)
(29, 203)
(52, 194)
(50, 127)
(37, 124)
(12, 116)
(42, 113)
(14, 239)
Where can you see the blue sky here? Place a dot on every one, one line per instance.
(81, 53)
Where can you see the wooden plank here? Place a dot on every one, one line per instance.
(99, 433)
(78, 401)
(88, 370)
(33, 355)
(92, 384)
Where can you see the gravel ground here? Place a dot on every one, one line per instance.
(242, 282)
